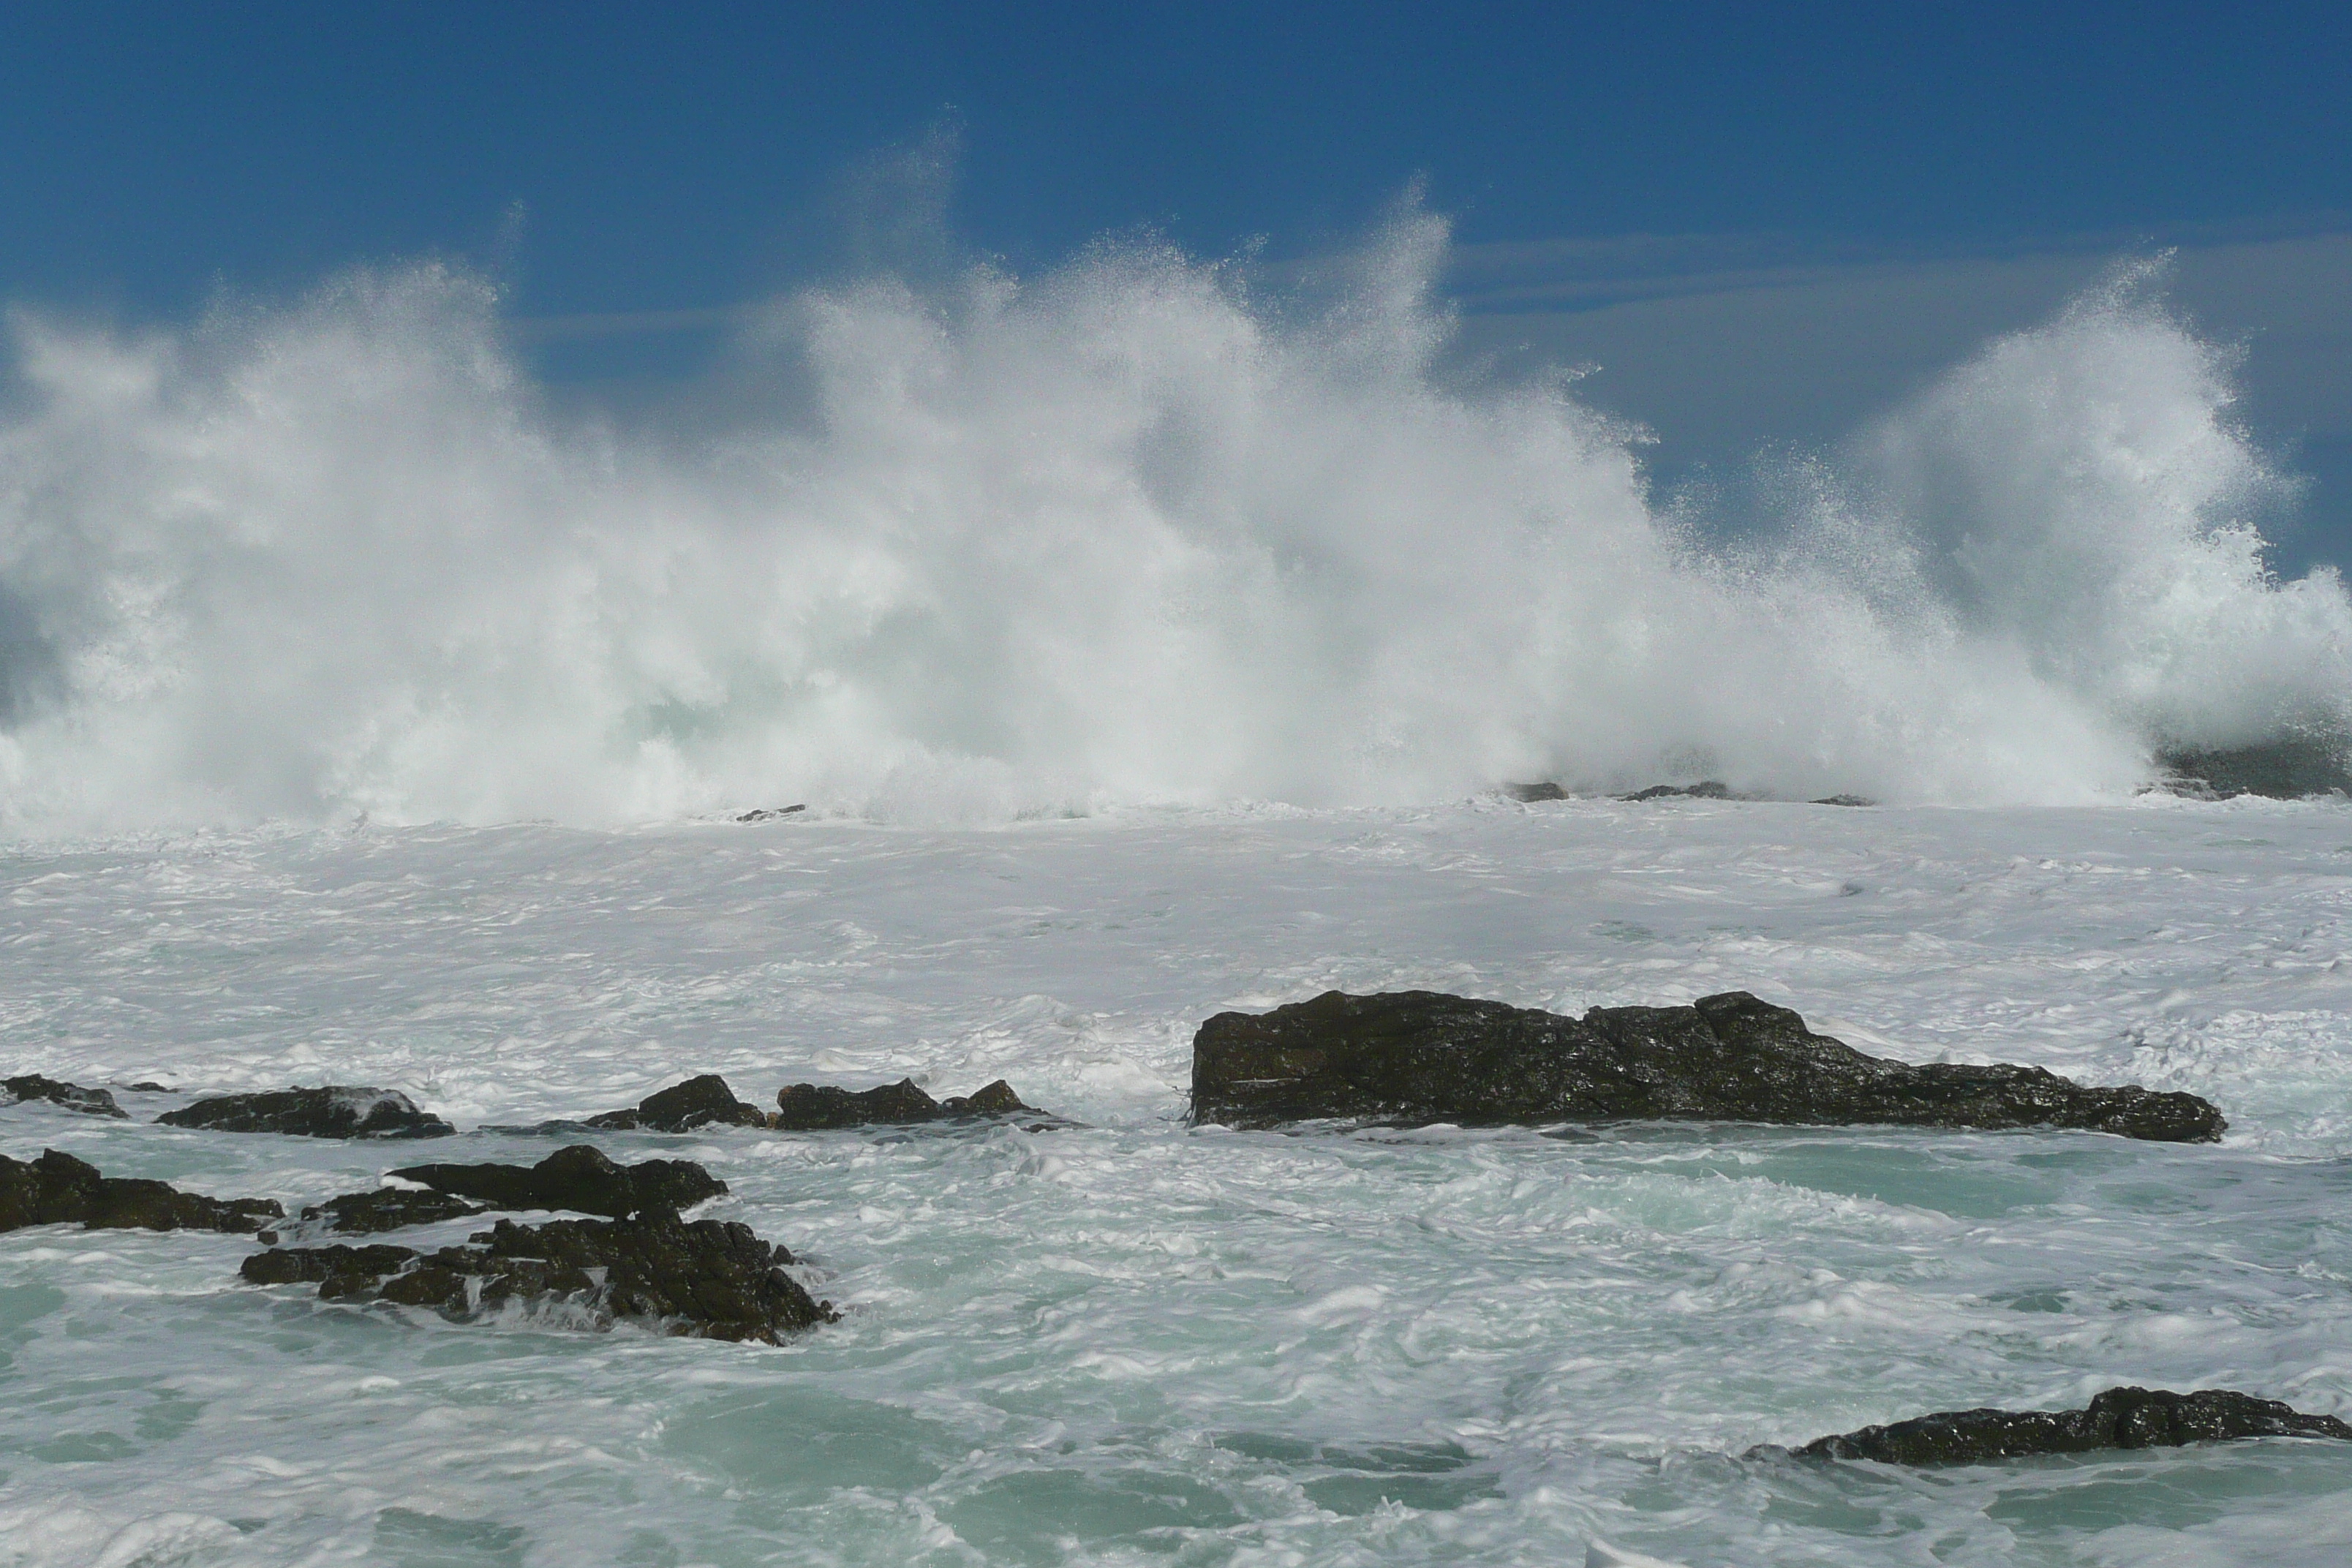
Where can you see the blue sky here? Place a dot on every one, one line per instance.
(1763, 221)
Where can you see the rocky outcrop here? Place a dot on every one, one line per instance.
(1420, 1057)
(818, 1108)
(57, 1189)
(2120, 1419)
(773, 813)
(2293, 767)
(709, 1278)
(704, 1101)
(329, 1112)
(580, 1178)
(72, 1095)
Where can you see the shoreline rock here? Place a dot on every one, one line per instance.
(331, 1111)
(580, 1177)
(2120, 1419)
(72, 1095)
(385, 1208)
(57, 1189)
(1413, 1057)
(711, 1278)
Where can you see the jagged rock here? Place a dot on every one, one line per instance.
(711, 1278)
(72, 1095)
(2120, 1419)
(1418, 1057)
(704, 1101)
(57, 1189)
(2290, 768)
(389, 1208)
(770, 813)
(580, 1178)
(818, 1107)
(330, 1111)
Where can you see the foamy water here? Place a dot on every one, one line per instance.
(1135, 1341)
(1122, 533)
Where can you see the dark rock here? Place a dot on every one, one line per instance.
(2290, 768)
(1531, 794)
(771, 813)
(818, 1107)
(148, 1088)
(72, 1095)
(2120, 1419)
(57, 1189)
(330, 1111)
(392, 1208)
(704, 1101)
(1419, 1057)
(709, 1278)
(1705, 789)
(1843, 800)
(580, 1178)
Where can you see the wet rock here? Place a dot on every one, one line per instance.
(1534, 794)
(1705, 789)
(1419, 1057)
(2120, 1419)
(2290, 768)
(580, 1178)
(57, 1189)
(1842, 799)
(72, 1095)
(387, 1208)
(818, 1107)
(704, 1101)
(709, 1278)
(329, 1112)
(771, 813)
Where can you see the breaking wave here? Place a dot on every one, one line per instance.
(1126, 531)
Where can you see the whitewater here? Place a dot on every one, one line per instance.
(1146, 640)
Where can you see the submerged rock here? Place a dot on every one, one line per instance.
(332, 1110)
(771, 813)
(57, 1189)
(818, 1108)
(386, 1208)
(704, 1101)
(709, 1278)
(580, 1178)
(72, 1095)
(2120, 1419)
(1418, 1057)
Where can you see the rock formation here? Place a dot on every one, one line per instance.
(72, 1095)
(2120, 1419)
(385, 1208)
(704, 1101)
(329, 1112)
(580, 1178)
(710, 1277)
(57, 1189)
(816, 1108)
(1418, 1057)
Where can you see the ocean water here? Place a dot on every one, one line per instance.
(1132, 1340)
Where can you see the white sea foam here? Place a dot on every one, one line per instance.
(1124, 532)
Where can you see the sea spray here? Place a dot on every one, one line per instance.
(1120, 533)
